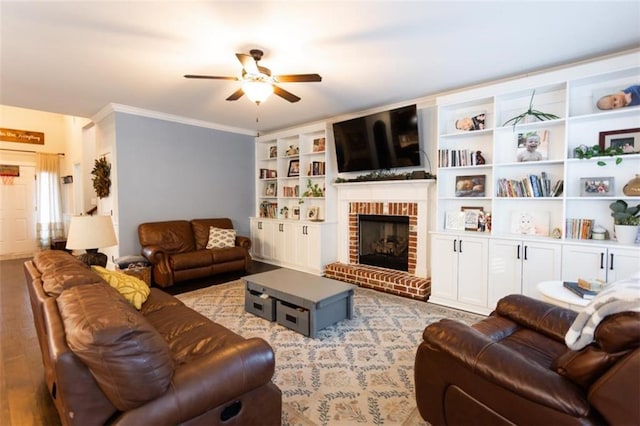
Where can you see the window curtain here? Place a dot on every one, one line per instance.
(49, 223)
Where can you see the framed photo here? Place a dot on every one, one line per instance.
(296, 213)
(626, 139)
(530, 223)
(532, 146)
(313, 213)
(294, 168)
(596, 186)
(473, 218)
(319, 145)
(470, 186)
(468, 124)
(273, 151)
(613, 97)
(454, 220)
(270, 189)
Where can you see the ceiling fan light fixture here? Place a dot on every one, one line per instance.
(256, 90)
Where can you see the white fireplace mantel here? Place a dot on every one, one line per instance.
(413, 190)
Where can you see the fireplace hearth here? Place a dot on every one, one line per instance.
(384, 241)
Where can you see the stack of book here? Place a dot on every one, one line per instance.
(578, 229)
(579, 291)
(458, 157)
(529, 186)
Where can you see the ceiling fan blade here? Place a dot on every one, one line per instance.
(211, 77)
(248, 63)
(284, 94)
(236, 95)
(298, 78)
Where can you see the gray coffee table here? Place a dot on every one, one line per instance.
(302, 302)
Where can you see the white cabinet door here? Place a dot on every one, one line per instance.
(540, 262)
(262, 239)
(505, 269)
(444, 267)
(583, 262)
(622, 263)
(472, 270)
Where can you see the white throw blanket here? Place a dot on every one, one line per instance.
(618, 296)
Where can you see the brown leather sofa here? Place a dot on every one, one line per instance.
(514, 368)
(177, 250)
(108, 363)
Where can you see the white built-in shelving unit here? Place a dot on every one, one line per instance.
(505, 260)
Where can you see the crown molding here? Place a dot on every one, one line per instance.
(113, 107)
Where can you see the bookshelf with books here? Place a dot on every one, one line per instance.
(287, 162)
(532, 167)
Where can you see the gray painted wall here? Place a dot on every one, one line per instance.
(168, 171)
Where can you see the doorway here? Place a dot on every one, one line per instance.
(18, 215)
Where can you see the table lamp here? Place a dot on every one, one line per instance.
(91, 233)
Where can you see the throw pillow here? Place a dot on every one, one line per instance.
(220, 238)
(131, 288)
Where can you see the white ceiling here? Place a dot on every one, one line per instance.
(75, 57)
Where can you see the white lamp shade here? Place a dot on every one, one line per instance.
(91, 232)
(257, 91)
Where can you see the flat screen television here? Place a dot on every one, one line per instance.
(385, 140)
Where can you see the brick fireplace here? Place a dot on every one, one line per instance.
(394, 198)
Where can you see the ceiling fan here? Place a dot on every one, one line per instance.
(257, 81)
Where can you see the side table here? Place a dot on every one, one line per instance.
(554, 292)
(141, 272)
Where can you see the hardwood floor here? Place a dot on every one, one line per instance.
(24, 398)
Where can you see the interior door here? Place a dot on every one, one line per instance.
(18, 215)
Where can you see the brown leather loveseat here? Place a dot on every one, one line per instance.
(514, 367)
(178, 250)
(106, 362)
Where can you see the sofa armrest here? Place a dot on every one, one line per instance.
(615, 394)
(204, 383)
(551, 320)
(243, 242)
(503, 367)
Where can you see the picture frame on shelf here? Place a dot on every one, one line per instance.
(597, 186)
(532, 146)
(292, 151)
(454, 220)
(313, 213)
(626, 139)
(270, 189)
(614, 97)
(470, 186)
(473, 218)
(295, 213)
(469, 124)
(294, 168)
(530, 223)
(273, 151)
(319, 145)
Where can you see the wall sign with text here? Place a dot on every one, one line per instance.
(24, 136)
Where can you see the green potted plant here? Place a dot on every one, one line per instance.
(586, 152)
(531, 114)
(313, 190)
(626, 221)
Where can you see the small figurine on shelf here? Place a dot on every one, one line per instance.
(479, 158)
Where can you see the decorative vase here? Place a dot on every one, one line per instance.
(632, 188)
(626, 234)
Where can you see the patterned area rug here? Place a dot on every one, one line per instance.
(359, 371)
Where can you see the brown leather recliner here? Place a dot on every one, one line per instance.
(514, 368)
(177, 250)
(106, 362)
